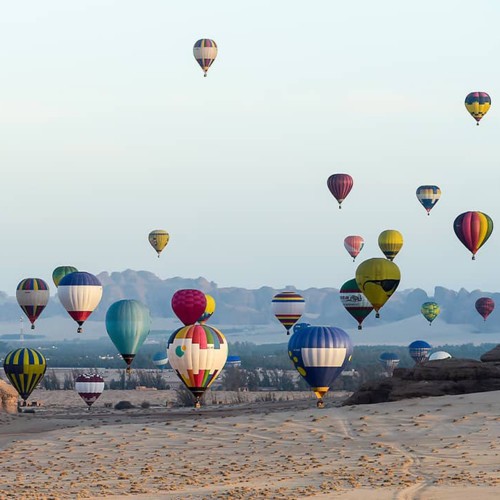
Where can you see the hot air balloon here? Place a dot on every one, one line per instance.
(430, 311)
(419, 350)
(160, 360)
(390, 242)
(89, 387)
(438, 355)
(288, 307)
(24, 368)
(378, 279)
(197, 353)
(428, 196)
(354, 245)
(60, 272)
(340, 186)
(477, 104)
(189, 305)
(32, 295)
(319, 354)
(158, 240)
(298, 326)
(79, 293)
(389, 361)
(473, 229)
(209, 309)
(485, 306)
(355, 302)
(128, 324)
(205, 52)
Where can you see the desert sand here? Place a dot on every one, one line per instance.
(433, 448)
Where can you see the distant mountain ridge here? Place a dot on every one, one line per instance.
(253, 307)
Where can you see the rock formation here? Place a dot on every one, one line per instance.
(8, 397)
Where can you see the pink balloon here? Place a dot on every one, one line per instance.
(189, 305)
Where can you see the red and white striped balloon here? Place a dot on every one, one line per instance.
(89, 387)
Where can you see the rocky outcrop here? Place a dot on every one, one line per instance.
(8, 398)
(492, 356)
(433, 378)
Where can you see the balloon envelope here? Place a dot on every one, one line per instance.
(205, 52)
(189, 305)
(473, 229)
(389, 361)
(485, 306)
(197, 353)
(24, 368)
(354, 244)
(209, 309)
(477, 104)
(319, 354)
(160, 359)
(419, 350)
(340, 186)
(390, 242)
(428, 196)
(158, 239)
(430, 311)
(288, 307)
(32, 295)
(356, 304)
(89, 387)
(378, 279)
(439, 355)
(60, 272)
(128, 324)
(79, 293)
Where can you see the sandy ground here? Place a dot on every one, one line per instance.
(434, 448)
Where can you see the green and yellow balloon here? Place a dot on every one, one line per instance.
(430, 311)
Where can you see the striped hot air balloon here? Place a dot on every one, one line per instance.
(356, 304)
(354, 244)
(389, 361)
(205, 52)
(419, 350)
(390, 242)
(477, 104)
(340, 186)
(158, 239)
(60, 272)
(473, 229)
(80, 293)
(197, 353)
(428, 196)
(89, 387)
(24, 368)
(288, 307)
(32, 295)
(485, 306)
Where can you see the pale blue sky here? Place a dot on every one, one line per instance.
(108, 130)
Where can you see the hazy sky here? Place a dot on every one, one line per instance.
(109, 130)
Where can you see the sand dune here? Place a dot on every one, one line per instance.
(428, 448)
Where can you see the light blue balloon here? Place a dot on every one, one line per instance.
(128, 323)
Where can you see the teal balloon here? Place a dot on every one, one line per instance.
(128, 323)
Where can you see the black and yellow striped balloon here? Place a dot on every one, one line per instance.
(25, 368)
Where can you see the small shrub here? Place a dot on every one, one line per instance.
(145, 404)
(124, 405)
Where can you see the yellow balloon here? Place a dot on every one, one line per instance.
(158, 239)
(209, 309)
(390, 242)
(378, 279)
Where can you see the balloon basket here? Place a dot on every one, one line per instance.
(79, 330)
(360, 327)
(32, 327)
(320, 404)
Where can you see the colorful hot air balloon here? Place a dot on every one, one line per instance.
(298, 326)
(32, 295)
(128, 323)
(390, 242)
(197, 353)
(473, 229)
(439, 355)
(428, 196)
(355, 302)
(430, 311)
(288, 307)
(319, 354)
(160, 359)
(60, 272)
(24, 368)
(378, 279)
(389, 361)
(340, 186)
(89, 387)
(158, 240)
(205, 52)
(354, 245)
(189, 305)
(79, 293)
(209, 309)
(419, 350)
(485, 306)
(477, 104)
